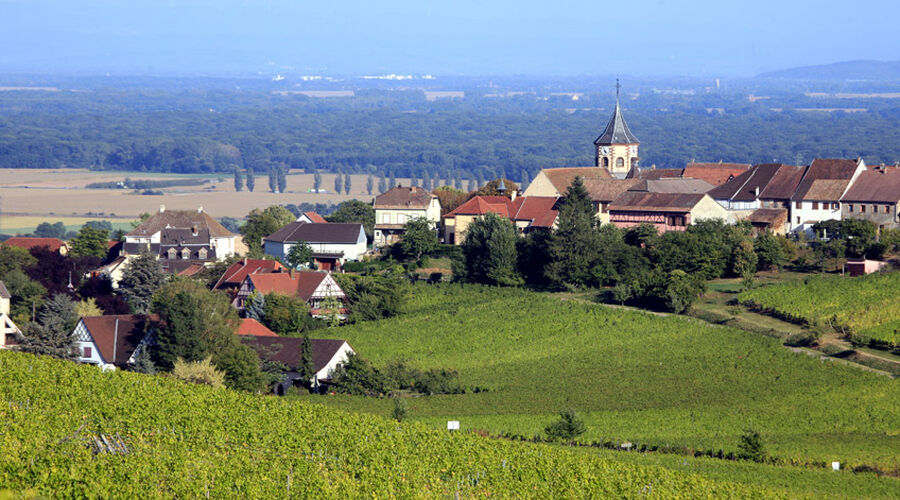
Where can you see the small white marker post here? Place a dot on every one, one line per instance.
(835, 466)
(453, 425)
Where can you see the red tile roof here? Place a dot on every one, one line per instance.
(299, 283)
(316, 218)
(714, 173)
(480, 205)
(191, 270)
(607, 190)
(537, 209)
(118, 335)
(562, 178)
(236, 273)
(250, 326)
(53, 244)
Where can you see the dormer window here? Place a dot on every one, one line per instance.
(185, 254)
(172, 253)
(202, 254)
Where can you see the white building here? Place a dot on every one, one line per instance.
(112, 341)
(332, 243)
(397, 206)
(818, 196)
(8, 329)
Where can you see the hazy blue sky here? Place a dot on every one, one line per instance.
(643, 37)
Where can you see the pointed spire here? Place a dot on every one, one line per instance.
(501, 187)
(616, 131)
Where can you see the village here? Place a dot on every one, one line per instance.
(301, 259)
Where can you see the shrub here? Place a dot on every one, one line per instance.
(751, 447)
(568, 427)
(199, 372)
(400, 410)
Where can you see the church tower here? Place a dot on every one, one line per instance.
(617, 148)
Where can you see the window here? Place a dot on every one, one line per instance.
(202, 254)
(887, 209)
(799, 204)
(850, 208)
(87, 352)
(604, 207)
(386, 218)
(798, 219)
(815, 205)
(172, 253)
(605, 161)
(620, 162)
(185, 254)
(401, 218)
(834, 206)
(862, 209)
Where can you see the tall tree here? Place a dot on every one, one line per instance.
(299, 254)
(426, 181)
(238, 180)
(317, 182)
(574, 246)
(523, 177)
(347, 184)
(89, 242)
(261, 223)
(273, 180)
(251, 179)
(419, 238)
(141, 278)
(457, 182)
(281, 179)
(489, 252)
(338, 183)
(370, 184)
(382, 184)
(355, 211)
(52, 333)
(471, 185)
(306, 370)
(180, 334)
(392, 183)
(47, 230)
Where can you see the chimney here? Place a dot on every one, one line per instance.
(162, 208)
(115, 340)
(513, 194)
(756, 191)
(200, 210)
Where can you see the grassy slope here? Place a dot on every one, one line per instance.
(634, 376)
(191, 441)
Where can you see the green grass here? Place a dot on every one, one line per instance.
(633, 376)
(866, 307)
(187, 441)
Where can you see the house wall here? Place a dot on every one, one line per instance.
(457, 226)
(707, 208)
(4, 306)
(352, 251)
(623, 151)
(7, 327)
(805, 212)
(541, 186)
(225, 246)
(662, 221)
(339, 358)
(884, 215)
(83, 339)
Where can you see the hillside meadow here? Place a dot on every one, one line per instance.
(633, 376)
(71, 430)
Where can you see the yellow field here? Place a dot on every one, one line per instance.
(23, 224)
(60, 193)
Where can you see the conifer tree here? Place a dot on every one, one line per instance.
(281, 180)
(370, 184)
(251, 179)
(256, 306)
(347, 184)
(338, 183)
(574, 246)
(306, 370)
(426, 181)
(317, 182)
(273, 183)
(52, 334)
(471, 186)
(393, 181)
(238, 180)
(382, 184)
(141, 278)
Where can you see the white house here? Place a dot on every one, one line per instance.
(397, 206)
(332, 243)
(8, 329)
(818, 196)
(327, 354)
(313, 287)
(112, 341)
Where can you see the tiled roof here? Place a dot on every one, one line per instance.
(562, 178)
(655, 202)
(287, 350)
(783, 183)
(826, 190)
(480, 205)
(299, 283)
(654, 173)
(827, 168)
(537, 209)
(250, 326)
(404, 197)
(747, 186)
(880, 186)
(768, 216)
(191, 270)
(53, 244)
(344, 232)
(616, 131)
(236, 272)
(714, 173)
(4, 293)
(607, 190)
(181, 219)
(118, 335)
(671, 185)
(316, 218)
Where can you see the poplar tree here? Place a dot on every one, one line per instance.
(272, 181)
(370, 184)
(251, 179)
(317, 182)
(338, 184)
(347, 184)
(281, 179)
(238, 180)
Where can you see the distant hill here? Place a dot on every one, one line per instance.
(845, 70)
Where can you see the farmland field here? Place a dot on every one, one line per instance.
(634, 376)
(865, 307)
(27, 192)
(126, 435)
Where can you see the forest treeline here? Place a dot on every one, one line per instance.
(204, 132)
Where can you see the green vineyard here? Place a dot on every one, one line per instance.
(72, 431)
(633, 376)
(866, 307)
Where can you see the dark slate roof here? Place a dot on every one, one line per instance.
(332, 232)
(4, 293)
(193, 251)
(184, 236)
(616, 131)
(404, 197)
(655, 202)
(748, 185)
(783, 183)
(825, 169)
(118, 333)
(287, 350)
(671, 185)
(879, 186)
(184, 219)
(653, 173)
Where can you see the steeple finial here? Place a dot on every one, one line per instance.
(617, 90)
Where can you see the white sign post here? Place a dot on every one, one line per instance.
(453, 425)
(835, 466)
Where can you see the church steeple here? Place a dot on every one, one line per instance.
(617, 147)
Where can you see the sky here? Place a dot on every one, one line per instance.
(441, 37)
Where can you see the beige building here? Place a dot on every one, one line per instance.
(397, 206)
(666, 211)
(616, 149)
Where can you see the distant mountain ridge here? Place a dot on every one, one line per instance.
(844, 70)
